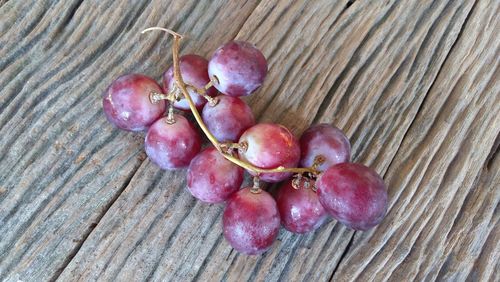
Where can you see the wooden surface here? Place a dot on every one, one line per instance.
(415, 84)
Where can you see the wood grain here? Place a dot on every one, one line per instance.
(444, 182)
(62, 164)
(413, 83)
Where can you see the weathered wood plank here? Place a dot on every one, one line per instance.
(378, 49)
(366, 67)
(61, 164)
(174, 255)
(445, 179)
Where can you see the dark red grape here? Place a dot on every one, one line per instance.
(211, 178)
(300, 209)
(228, 119)
(325, 140)
(270, 146)
(251, 221)
(353, 194)
(172, 146)
(239, 67)
(126, 102)
(194, 71)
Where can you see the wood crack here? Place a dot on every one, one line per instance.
(493, 153)
(354, 59)
(72, 10)
(344, 253)
(111, 215)
(432, 84)
(91, 228)
(409, 127)
(106, 209)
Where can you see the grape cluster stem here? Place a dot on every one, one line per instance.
(221, 147)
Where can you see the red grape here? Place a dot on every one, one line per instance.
(300, 209)
(211, 178)
(325, 140)
(251, 221)
(126, 102)
(353, 194)
(239, 68)
(194, 71)
(172, 146)
(228, 119)
(270, 146)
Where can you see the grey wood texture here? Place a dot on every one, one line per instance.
(415, 85)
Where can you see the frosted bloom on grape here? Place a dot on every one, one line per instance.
(126, 102)
(327, 141)
(251, 221)
(239, 68)
(228, 119)
(353, 194)
(269, 146)
(211, 178)
(172, 146)
(300, 209)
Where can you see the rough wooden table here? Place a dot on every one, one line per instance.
(415, 84)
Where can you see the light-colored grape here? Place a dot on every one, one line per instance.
(251, 221)
(240, 68)
(126, 102)
(270, 145)
(327, 141)
(172, 146)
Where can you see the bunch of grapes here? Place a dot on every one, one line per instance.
(318, 179)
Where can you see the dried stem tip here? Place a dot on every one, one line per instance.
(170, 115)
(296, 181)
(256, 185)
(162, 29)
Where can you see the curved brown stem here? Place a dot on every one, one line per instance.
(183, 87)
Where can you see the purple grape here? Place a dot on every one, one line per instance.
(251, 221)
(211, 178)
(300, 209)
(126, 102)
(239, 67)
(194, 71)
(353, 194)
(325, 140)
(228, 119)
(172, 146)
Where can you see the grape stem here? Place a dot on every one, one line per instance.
(219, 146)
(212, 101)
(256, 185)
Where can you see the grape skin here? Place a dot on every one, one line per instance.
(300, 209)
(126, 102)
(353, 194)
(228, 119)
(325, 140)
(251, 221)
(270, 145)
(194, 71)
(211, 178)
(240, 68)
(172, 146)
